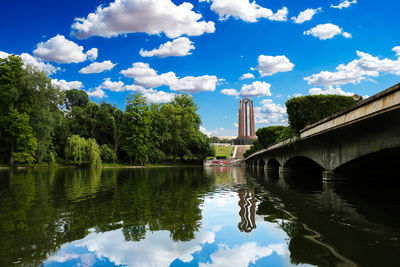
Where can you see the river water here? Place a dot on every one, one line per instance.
(217, 216)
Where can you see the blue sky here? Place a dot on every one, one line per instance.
(204, 47)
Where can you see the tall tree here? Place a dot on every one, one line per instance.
(136, 129)
(185, 123)
(76, 98)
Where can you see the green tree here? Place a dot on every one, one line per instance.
(136, 129)
(160, 134)
(185, 123)
(20, 138)
(107, 154)
(76, 98)
(82, 152)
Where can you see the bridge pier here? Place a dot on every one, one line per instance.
(328, 176)
(285, 169)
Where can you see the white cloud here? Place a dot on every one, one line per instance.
(233, 92)
(344, 4)
(154, 96)
(61, 50)
(236, 125)
(206, 132)
(270, 112)
(257, 88)
(92, 54)
(64, 85)
(242, 256)
(112, 86)
(98, 67)
(99, 93)
(327, 31)
(63, 257)
(269, 65)
(396, 49)
(148, 78)
(178, 48)
(247, 76)
(356, 71)
(330, 90)
(38, 63)
(280, 15)
(192, 84)
(306, 15)
(244, 10)
(151, 16)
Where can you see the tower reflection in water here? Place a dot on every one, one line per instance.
(247, 204)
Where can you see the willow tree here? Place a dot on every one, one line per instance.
(82, 152)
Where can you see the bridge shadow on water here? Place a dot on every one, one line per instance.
(346, 223)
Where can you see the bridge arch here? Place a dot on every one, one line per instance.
(273, 163)
(261, 163)
(302, 163)
(372, 165)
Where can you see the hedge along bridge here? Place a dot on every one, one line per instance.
(363, 139)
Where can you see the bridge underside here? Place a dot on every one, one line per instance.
(361, 149)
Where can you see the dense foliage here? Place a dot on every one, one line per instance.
(84, 152)
(40, 123)
(269, 135)
(306, 110)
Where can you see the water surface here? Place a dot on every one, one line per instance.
(194, 217)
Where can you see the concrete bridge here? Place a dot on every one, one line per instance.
(363, 139)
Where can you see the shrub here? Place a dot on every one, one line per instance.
(268, 135)
(107, 154)
(306, 110)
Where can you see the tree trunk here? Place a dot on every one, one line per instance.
(130, 160)
(11, 162)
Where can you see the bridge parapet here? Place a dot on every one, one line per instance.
(367, 128)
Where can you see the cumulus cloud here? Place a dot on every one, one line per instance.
(330, 90)
(344, 4)
(151, 95)
(154, 96)
(151, 16)
(355, 71)
(38, 63)
(396, 49)
(306, 15)
(247, 76)
(232, 92)
(243, 255)
(270, 112)
(206, 132)
(244, 10)
(154, 250)
(64, 85)
(269, 65)
(98, 67)
(112, 86)
(61, 50)
(255, 89)
(280, 15)
(147, 77)
(177, 48)
(92, 54)
(327, 31)
(98, 93)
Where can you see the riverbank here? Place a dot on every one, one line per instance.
(109, 166)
